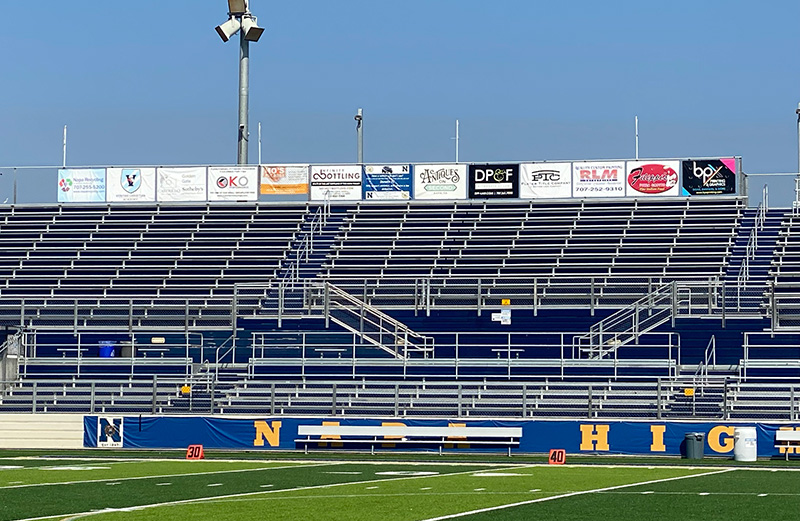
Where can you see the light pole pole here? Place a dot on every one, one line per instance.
(360, 135)
(798, 138)
(242, 21)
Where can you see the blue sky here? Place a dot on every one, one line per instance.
(150, 82)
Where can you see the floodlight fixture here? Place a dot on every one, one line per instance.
(252, 32)
(228, 29)
(241, 21)
(238, 7)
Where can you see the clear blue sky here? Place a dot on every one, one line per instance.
(150, 82)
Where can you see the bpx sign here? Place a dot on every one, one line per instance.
(598, 179)
(440, 181)
(709, 176)
(493, 181)
(232, 183)
(545, 180)
(652, 178)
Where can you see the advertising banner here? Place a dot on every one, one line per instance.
(709, 176)
(545, 180)
(493, 181)
(233, 183)
(284, 179)
(82, 185)
(341, 183)
(647, 178)
(440, 181)
(131, 185)
(387, 182)
(598, 179)
(643, 438)
(181, 184)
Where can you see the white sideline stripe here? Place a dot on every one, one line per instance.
(73, 517)
(560, 496)
(161, 476)
(787, 494)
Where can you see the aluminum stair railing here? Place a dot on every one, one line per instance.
(370, 324)
(628, 324)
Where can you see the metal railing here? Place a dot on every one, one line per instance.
(304, 250)
(459, 354)
(709, 360)
(135, 351)
(542, 397)
(371, 324)
(752, 243)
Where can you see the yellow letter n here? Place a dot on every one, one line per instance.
(265, 432)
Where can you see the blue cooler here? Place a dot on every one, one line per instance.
(107, 349)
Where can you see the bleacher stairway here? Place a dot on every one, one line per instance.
(747, 271)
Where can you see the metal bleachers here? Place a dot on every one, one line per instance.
(465, 239)
(101, 256)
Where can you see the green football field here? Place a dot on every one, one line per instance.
(107, 488)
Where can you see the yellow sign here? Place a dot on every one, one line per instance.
(505, 302)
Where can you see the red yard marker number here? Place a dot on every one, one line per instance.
(557, 457)
(194, 452)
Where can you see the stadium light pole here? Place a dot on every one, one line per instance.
(241, 21)
(359, 117)
(798, 138)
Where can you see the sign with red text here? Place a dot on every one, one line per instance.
(646, 178)
(598, 179)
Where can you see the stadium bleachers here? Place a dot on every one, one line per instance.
(164, 283)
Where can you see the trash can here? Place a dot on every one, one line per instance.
(106, 349)
(695, 445)
(745, 447)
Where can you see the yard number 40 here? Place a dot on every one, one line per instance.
(557, 457)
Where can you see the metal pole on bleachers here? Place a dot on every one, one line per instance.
(360, 135)
(798, 136)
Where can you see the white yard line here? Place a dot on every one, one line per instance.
(78, 515)
(162, 476)
(571, 494)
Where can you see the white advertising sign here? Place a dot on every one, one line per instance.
(440, 181)
(284, 179)
(545, 180)
(126, 185)
(341, 183)
(598, 179)
(181, 184)
(82, 185)
(652, 178)
(233, 183)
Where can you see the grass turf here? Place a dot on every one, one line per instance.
(217, 489)
(332, 491)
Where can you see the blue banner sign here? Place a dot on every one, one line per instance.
(576, 437)
(387, 182)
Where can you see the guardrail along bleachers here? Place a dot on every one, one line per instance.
(414, 398)
(673, 239)
(161, 254)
